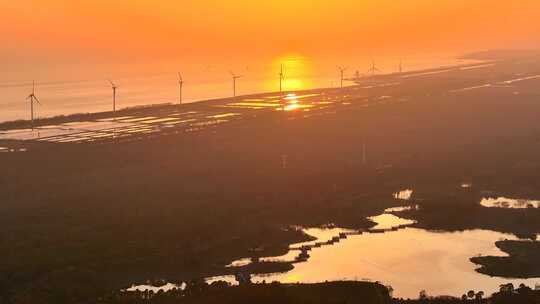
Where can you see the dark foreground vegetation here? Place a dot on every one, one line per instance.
(322, 293)
(523, 260)
(80, 221)
(220, 292)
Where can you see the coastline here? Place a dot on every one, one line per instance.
(368, 79)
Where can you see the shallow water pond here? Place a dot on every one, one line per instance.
(511, 203)
(393, 253)
(409, 260)
(404, 194)
(155, 289)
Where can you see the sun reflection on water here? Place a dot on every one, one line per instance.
(291, 102)
(297, 70)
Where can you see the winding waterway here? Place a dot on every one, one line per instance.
(408, 259)
(393, 253)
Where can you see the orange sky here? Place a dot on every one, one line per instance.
(161, 29)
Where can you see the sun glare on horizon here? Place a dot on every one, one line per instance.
(297, 71)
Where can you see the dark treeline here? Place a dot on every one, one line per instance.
(274, 293)
(507, 294)
(330, 292)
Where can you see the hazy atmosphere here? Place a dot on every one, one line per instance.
(39, 35)
(273, 152)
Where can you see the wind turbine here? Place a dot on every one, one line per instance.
(357, 75)
(342, 70)
(114, 87)
(373, 69)
(401, 66)
(180, 86)
(281, 79)
(234, 77)
(33, 98)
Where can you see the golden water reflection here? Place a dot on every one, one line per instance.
(404, 194)
(297, 72)
(291, 102)
(388, 221)
(510, 203)
(409, 259)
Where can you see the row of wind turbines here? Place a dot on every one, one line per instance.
(34, 100)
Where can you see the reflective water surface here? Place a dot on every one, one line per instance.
(404, 194)
(409, 260)
(389, 221)
(512, 203)
(155, 289)
(393, 253)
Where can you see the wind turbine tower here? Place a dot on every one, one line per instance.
(180, 87)
(234, 77)
(281, 79)
(32, 97)
(114, 87)
(373, 69)
(342, 71)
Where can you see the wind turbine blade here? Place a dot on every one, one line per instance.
(36, 99)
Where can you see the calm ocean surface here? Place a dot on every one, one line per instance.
(83, 89)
